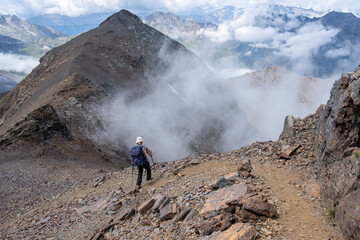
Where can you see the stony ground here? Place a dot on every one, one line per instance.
(95, 206)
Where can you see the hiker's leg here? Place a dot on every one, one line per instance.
(140, 173)
(148, 170)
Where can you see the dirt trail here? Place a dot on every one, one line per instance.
(299, 219)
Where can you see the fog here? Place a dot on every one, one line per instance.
(187, 110)
(222, 105)
(17, 63)
(190, 109)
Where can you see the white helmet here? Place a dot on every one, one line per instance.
(139, 140)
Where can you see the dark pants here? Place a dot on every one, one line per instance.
(146, 165)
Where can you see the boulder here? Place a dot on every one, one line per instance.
(97, 206)
(190, 215)
(168, 212)
(244, 169)
(146, 206)
(160, 199)
(217, 200)
(224, 181)
(127, 214)
(182, 214)
(238, 231)
(260, 207)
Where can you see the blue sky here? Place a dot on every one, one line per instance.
(27, 8)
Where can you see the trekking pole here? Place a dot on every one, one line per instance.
(132, 176)
(152, 159)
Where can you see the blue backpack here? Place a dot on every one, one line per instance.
(137, 155)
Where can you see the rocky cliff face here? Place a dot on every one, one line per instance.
(337, 145)
(331, 135)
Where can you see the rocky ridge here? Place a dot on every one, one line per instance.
(217, 196)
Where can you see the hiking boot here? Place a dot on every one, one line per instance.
(138, 187)
(150, 179)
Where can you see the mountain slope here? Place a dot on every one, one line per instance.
(127, 59)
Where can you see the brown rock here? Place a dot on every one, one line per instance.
(290, 151)
(349, 222)
(99, 181)
(208, 227)
(128, 213)
(98, 236)
(224, 181)
(168, 212)
(146, 206)
(313, 189)
(245, 216)
(165, 203)
(177, 170)
(190, 215)
(217, 199)
(257, 205)
(98, 206)
(160, 199)
(238, 231)
(180, 216)
(284, 156)
(244, 169)
(194, 162)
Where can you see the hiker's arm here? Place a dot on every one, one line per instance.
(148, 152)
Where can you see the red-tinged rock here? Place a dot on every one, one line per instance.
(238, 231)
(217, 200)
(245, 216)
(284, 156)
(168, 212)
(208, 227)
(146, 206)
(127, 214)
(257, 205)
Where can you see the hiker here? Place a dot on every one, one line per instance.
(139, 155)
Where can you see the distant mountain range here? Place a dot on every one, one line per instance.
(209, 14)
(20, 38)
(15, 27)
(70, 25)
(318, 46)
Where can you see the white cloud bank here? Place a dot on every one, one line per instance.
(17, 63)
(28, 8)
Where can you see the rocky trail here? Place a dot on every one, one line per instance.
(102, 208)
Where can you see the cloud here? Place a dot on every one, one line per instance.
(27, 8)
(17, 63)
(254, 34)
(340, 52)
(186, 109)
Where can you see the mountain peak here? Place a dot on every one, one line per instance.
(123, 16)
